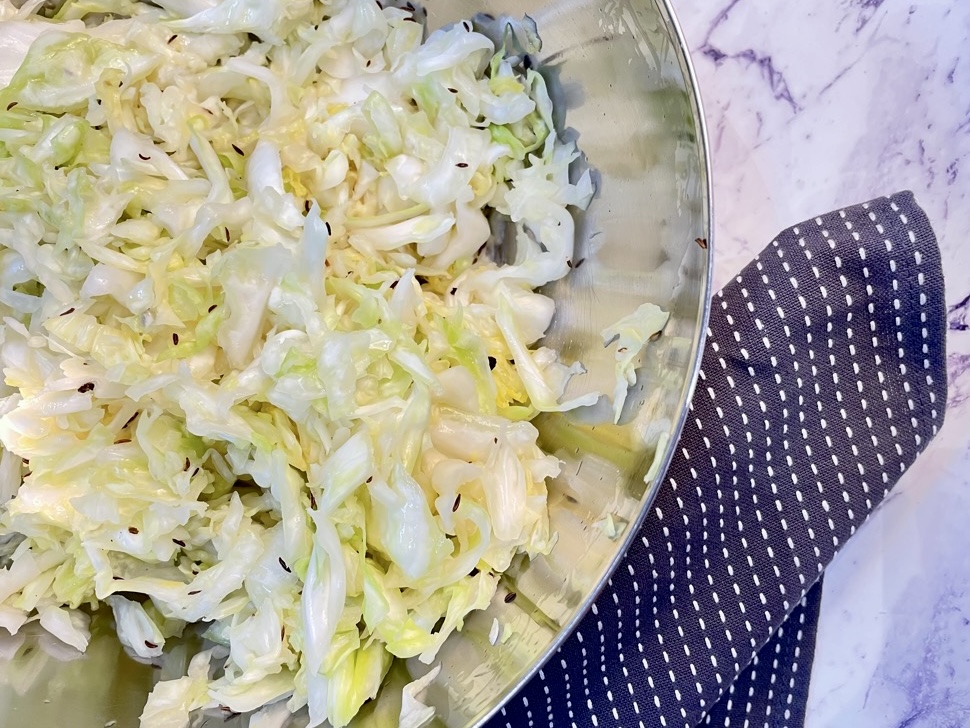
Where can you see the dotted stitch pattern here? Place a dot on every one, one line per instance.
(822, 380)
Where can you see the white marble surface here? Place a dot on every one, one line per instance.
(812, 106)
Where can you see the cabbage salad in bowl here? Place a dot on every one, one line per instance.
(261, 375)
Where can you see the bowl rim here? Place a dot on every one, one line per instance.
(700, 123)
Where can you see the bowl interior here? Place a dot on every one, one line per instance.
(621, 78)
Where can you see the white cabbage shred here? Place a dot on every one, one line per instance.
(631, 335)
(257, 371)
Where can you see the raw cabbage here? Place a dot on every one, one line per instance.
(258, 373)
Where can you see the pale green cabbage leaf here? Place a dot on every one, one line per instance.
(257, 374)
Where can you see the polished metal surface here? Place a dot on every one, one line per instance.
(624, 87)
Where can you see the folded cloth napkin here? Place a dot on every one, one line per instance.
(822, 379)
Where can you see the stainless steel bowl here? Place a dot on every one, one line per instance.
(624, 86)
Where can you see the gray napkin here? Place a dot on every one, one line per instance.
(822, 380)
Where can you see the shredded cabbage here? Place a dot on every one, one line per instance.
(258, 373)
(631, 334)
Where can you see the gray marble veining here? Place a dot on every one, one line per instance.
(813, 106)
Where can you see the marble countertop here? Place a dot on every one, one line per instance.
(811, 107)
